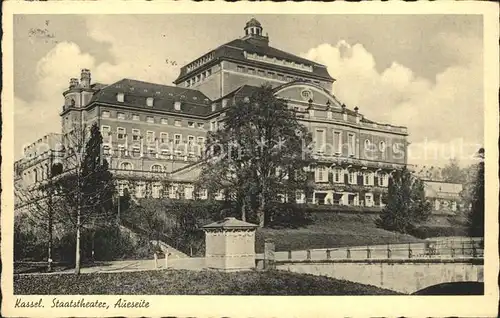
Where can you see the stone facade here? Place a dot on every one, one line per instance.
(153, 132)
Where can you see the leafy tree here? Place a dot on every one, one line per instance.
(85, 189)
(453, 173)
(258, 155)
(406, 203)
(476, 214)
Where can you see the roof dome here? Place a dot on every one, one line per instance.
(253, 23)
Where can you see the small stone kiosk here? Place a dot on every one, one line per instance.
(230, 245)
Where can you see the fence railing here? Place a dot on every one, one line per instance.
(449, 249)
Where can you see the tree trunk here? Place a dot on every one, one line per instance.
(77, 258)
(243, 212)
(261, 209)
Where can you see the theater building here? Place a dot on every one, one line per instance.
(154, 132)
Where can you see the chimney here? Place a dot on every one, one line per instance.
(85, 78)
(358, 116)
(73, 83)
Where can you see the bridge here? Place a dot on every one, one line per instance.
(405, 268)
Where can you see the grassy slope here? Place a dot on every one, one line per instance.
(191, 283)
(331, 230)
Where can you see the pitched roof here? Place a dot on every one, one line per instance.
(235, 50)
(193, 102)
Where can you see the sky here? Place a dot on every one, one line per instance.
(424, 72)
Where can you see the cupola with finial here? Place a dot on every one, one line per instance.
(253, 33)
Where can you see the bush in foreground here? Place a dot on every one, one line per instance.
(173, 282)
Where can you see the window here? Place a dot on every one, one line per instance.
(177, 105)
(261, 73)
(177, 139)
(164, 121)
(201, 140)
(120, 132)
(337, 141)
(177, 123)
(201, 125)
(140, 190)
(281, 77)
(251, 71)
(155, 190)
(369, 199)
(105, 114)
(320, 140)
(149, 101)
(352, 177)
(120, 97)
(337, 175)
(299, 196)
(188, 83)
(321, 174)
(213, 126)
(150, 136)
(135, 117)
(156, 168)
(120, 115)
(383, 179)
(289, 78)
(368, 144)
(209, 72)
(352, 144)
(136, 134)
(150, 119)
(126, 166)
(190, 124)
(164, 137)
(368, 178)
(381, 146)
(453, 206)
(190, 140)
(240, 69)
(105, 132)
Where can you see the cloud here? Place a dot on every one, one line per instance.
(442, 113)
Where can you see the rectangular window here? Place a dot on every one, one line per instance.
(105, 132)
(240, 69)
(369, 199)
(201, 140)
(337, 142)
(177, 139)
(353, 177)
(352, 144)
(209, 72)
(150, 136)
(135, 117)
(164, 121)
(190, 124)
(251, 71)
(136, 134)
(321, 174)
(190, 140)
(120, 116)
(201, 125)
(120, 133)
(320, 140)
(337, 176)
(163, 137)
(281, 77)
(261, 73)
(177, 123)
(368, 178)
(105, 114)
(150, 119)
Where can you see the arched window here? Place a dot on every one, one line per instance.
(367, 144)
(126, 166)
(156, 168)
(381, 146)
